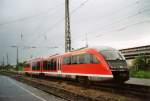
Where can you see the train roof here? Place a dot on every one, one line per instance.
(98, 48)
(103, 48)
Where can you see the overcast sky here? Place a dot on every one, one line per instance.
(116, 23)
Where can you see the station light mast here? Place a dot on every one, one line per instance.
(67, 28)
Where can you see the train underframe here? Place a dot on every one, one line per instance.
(120, 76)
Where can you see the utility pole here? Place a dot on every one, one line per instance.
(7, 58)
(17, 57)
(67, 28)
(3, 61)
(21, 36)
(86, 41)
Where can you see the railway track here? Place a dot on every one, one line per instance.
(142, 93)
(128, 90)
(125, 89)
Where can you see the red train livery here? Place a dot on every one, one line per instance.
(97, 63)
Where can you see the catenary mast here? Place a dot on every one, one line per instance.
(67, 28)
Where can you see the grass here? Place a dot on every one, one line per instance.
(140, 74)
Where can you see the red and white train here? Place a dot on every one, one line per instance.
(99, 63)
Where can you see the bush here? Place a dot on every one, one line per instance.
(140, 74)
(141, 62)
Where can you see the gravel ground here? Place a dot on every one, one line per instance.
(74, 92)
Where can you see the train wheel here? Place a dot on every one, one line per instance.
(83, 80)
(120, 82)
(42, 76)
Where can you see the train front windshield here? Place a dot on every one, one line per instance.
(115, 59)
(112, 55)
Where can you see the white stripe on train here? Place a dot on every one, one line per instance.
(73, 74)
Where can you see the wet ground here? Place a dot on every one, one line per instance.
(11, 90)
(139, 81)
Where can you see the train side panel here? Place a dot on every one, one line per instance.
(100, 69)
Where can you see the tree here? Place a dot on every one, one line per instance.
(141, 62)
(21, 65)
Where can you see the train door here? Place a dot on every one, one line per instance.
(59, 65)
(41, 66)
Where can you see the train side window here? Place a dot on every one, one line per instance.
(74, 59)
(38, 66)
(33, 66)
(45, 65)
(48, 65)
(51, 64)
(54, 64)
(87, 58)
(67, 60)
(94, 59)
(81, 59)
(78, 62)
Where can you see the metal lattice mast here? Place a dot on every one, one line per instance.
(67, 27)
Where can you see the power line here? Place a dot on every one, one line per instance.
(81, 5)
(129, 25)
(62, 19)
(43, 20)
(123, 19)
(126, 18)
(130, 5)
(121, 29)
(28, 17)
(119, 10)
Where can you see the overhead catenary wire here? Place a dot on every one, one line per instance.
(74, 10)
(119, 10)
(115, 22)
(95, 37)
(30, 17)
(126, 18)
(58, 22)
(38, 27)
(118, 22)
(106, 16)
(126, 26)
(103, 33)
(134, 4)
(130, 5)
(116, 29)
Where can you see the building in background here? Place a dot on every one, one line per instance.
(131, 53)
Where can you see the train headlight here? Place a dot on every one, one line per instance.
(121, 66)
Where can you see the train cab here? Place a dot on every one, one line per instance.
(116, 62)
